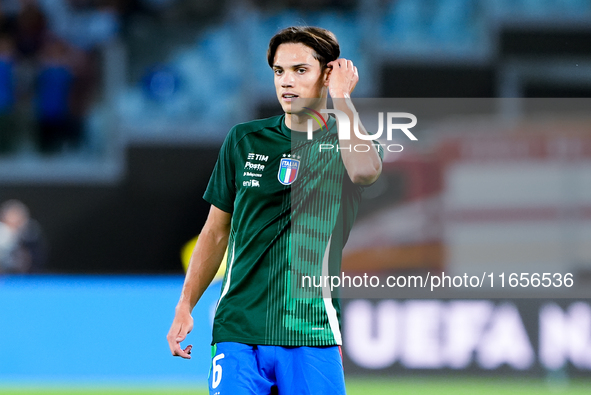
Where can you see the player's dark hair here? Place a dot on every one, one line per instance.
(323, 42)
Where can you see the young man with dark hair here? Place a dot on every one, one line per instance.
(283, 208)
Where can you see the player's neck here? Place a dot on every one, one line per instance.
(299, 122)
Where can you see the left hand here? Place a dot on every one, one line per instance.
(181, 327)
(342, 78)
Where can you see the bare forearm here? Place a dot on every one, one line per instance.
(205, 262)
(363, 167)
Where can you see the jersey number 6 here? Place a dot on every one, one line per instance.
(217, 371)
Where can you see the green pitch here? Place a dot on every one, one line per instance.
(464, 386)
(403, 386)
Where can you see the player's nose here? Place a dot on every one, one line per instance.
(287, 80)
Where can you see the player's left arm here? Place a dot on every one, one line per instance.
(363, 168)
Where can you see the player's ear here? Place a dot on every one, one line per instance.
(326, 75)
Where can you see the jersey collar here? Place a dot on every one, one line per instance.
(300, 136)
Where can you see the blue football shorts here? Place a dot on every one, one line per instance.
(242, 369)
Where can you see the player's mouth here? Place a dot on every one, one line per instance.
(288, 96)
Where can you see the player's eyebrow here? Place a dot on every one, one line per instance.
(295, 66)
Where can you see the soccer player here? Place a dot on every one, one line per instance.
(284, 208)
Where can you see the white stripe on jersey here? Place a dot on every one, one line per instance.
(227, 284)
(330, 310)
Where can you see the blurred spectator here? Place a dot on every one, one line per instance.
(307, 5)
(30, 30)
(49, 69)
(7, 21)
(7, 93)
(21, 240)
(57, 127)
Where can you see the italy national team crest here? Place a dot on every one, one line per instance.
(288, 170)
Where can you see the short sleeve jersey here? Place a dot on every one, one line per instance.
(293, 206)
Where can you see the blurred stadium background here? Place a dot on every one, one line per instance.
(111, 116)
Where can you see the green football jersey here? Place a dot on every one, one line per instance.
(293, 206)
